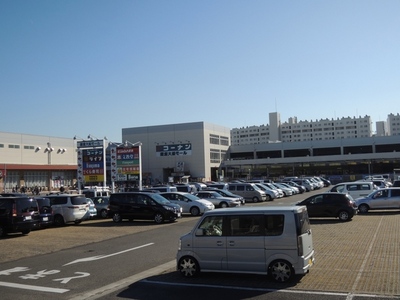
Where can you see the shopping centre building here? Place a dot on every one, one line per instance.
(201, 151)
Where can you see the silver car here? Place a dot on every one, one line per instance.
(218, 200)
(388, 198)
(189, 203)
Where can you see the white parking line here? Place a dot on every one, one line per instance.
(33, 287)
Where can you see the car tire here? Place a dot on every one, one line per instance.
(363, 208)
(26, 231)
(103, 214)
(281, 271)
(255, 199)
(158, 218)
(195, 211)
(344, 216)
(268, 198)
(58, 221)
(117, 218)
(223, 205)
(188, 267)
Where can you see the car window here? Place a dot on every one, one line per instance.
(246, 225)
(274, 224)
(78, 200)
(212, 226)
(395, 193)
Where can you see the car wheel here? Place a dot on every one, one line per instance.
(344, 216)
(268, 198)
(158, 218)
(255, 199)
(188, 267)
(281, 271)
(363, 208)
(58, 220)
(25, 231)
(103, 214)
(195, 211)
(223, 205)
(117, 218)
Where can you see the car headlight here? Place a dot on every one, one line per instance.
(169, 208)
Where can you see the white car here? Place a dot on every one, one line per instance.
(189, 202)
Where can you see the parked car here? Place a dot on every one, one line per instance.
(142, 206)
(249, 191)
(45, 211)
(68, 208)
(92, 211)
(355, 189)
(325, 181)
(276, 189)
(18, 214)
(217, 199)
(335, 205)
(286, 191)
(190, 203)
(306, 183)
(387, 198)
(275, 241)
(101, 204)
(270, 194)
(227, 193)
(301, 188)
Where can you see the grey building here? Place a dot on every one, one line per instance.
(177, 152)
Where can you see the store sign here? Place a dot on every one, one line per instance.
(174, 150)
(125, 163)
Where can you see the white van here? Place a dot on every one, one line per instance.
(275, 241)
(355, 189)
(249, 191)
(68, 208)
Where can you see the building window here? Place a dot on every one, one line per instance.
(13, 146)
(214, 139)
(215, 156)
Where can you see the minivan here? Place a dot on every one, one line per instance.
(249, 191)
(18, 214)
(275, 241)
(68, 208)
(142, 206)
(355, 189)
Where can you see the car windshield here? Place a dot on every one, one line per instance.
(159, 199)
(192, 197)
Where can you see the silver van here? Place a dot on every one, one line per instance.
(68, 208)
(355, 189)
(275, 241)
(249, 191)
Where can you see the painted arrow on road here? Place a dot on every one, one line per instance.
(97, 257)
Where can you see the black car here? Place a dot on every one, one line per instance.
(335, 205)
(142, 206)
(46, 212)
(18, 214)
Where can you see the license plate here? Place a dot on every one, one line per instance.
(28, 218)
(45, 218)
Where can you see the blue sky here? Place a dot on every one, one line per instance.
(94, 67)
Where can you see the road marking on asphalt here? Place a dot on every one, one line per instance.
(33, 287)
(350, 296)
(113, 287)
(97, 257)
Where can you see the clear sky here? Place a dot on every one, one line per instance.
(96, 66)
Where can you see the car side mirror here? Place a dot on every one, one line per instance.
(200, 232)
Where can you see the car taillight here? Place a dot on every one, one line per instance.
(300, 246)
(14, 210)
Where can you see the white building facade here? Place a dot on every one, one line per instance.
(299, 131)
(176, 151)
(31, 161)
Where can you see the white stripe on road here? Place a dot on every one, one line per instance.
(108, 289)
(33, 287)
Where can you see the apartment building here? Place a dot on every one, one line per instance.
(300, 131)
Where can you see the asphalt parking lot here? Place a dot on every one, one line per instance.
(357, 257)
